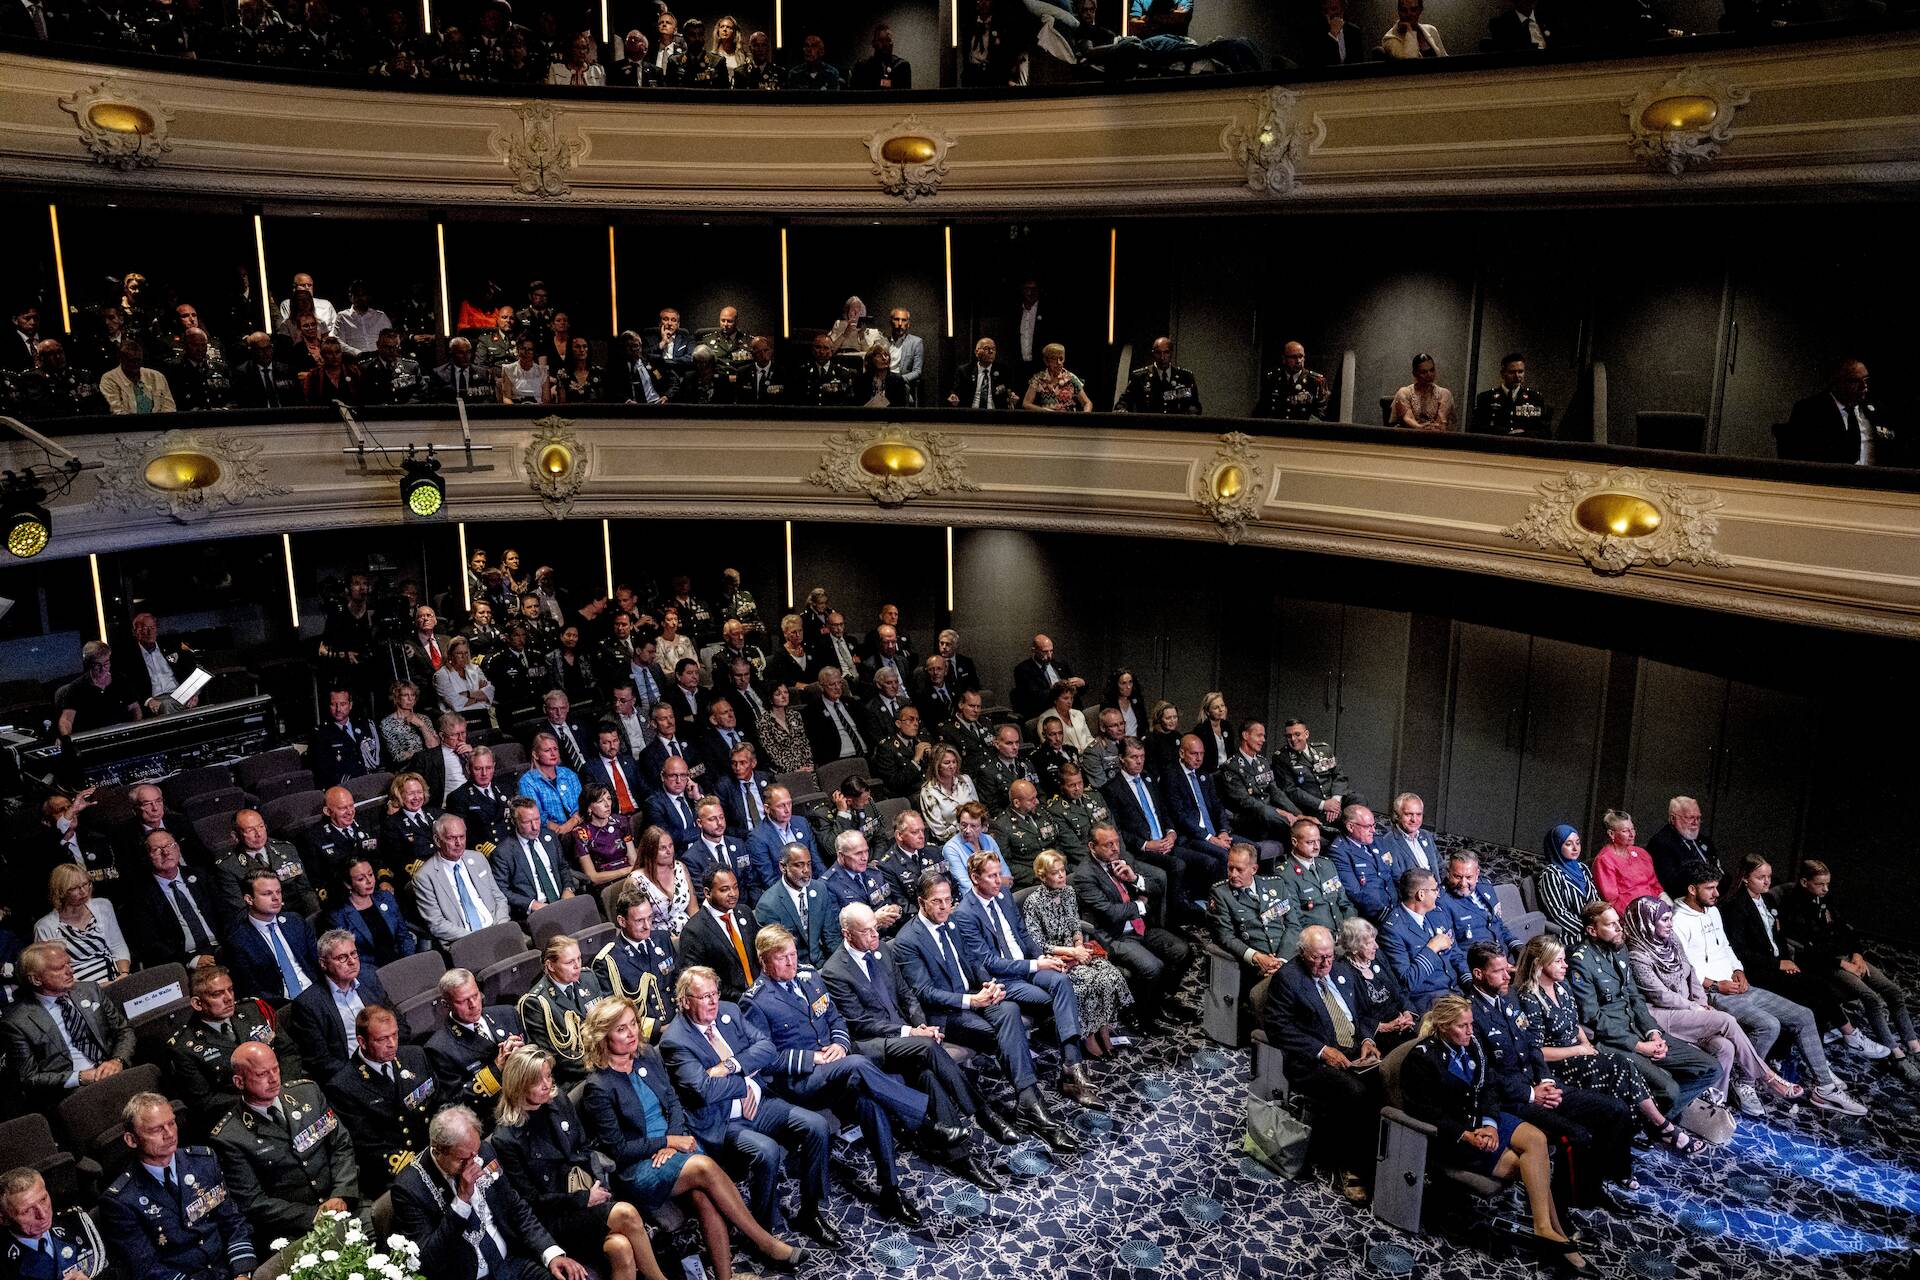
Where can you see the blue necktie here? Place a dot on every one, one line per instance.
(1146, 805)
(1199, 802)
(1457, 1063)
(953, 956)
(289, 972)
(467, 904)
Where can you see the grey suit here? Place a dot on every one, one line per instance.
(439, 903)
(37, 1048)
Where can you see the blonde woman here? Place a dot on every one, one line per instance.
(406, 834)
(943, 790)
(460, 682)
(1215, 735)
(1053, 918)
(543, 1149)
(405, 733)
(635, 1117)
(1053, 389)
(727, 42)
(86, 927)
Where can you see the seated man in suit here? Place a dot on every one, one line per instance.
(611, 767)
(716, 1057)
(638, 964)
(169, 911)
(982, 384)
(469, 1052)
(778, 828)
(1250, 913)
(1315, 1017)
(1145, 821)
(1839, 425)
(320, 1023)
(713, 849)
(1475, 912)
(63, 1033)
(454, 891)
(716, 936)
(741, 786)
(1198, 815)
(1367, 872)
(969, 1006)
(795, 903)
(854, 881)
(282, 1149)
(669, 744)
(671, 808)
(530, 865)
(445, 766)
(385, 1094)
(815, 1066)
(1678, 845)
(270, 952)
(169, 1215)
(994, 939)
(456, 1205)
(832, 721)
(1035, 676)
(1418, 939)
(721, 740)
(1126, 905)
(1407, 838)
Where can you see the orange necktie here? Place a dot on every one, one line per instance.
(621, 795)
(739, 947)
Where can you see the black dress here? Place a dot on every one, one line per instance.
(1558, 1023)
(543, 1156)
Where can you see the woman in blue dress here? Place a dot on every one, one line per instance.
(635, 1118)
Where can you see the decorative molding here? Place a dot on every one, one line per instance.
(1678, 148)
(945, 469)
(906, 173)
(556, 492)
(1271, 148)
(123, 484)
(1230, 485)
(1686, 530)
(535, 153)
(138, 147)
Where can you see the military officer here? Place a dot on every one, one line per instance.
(897, 761)
(1249, 790)
(1251, 915)
(908, 857)
(1161, 386)
(40, 1244)
(200, 1054)
(1025, 831)
(853, 811)
(254, 851)
(637, 965)
(1475, 911)
(731, 354)
(1053, 754)
(1312, 884)
(198, 377)
(169, 1215)
(338, 838)
(552, 1009)
(387, 377)
(1076, 811)
(284, 1152)
(495, 347)
(344, 745)
(759, 71)
(1309, 774)
(1368, 871)
(967, 733)
(820, 380)
(1293, 391)
(1513, 408)
(386, 1095)
(995, 776)
(694, 66)
(853, 880)
(469, 1052)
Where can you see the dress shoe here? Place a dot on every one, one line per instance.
(789, 1264)
(1074, 1084)
(1034, 1119)
(941, 1137)
(820, 1228)
(968, 1165)
(995, 1126)
(894, 1204)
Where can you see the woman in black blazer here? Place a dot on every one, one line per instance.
(655, 1155)
(1123, 693)
(1216, 735)
(543, 1147)
(1443, 1081)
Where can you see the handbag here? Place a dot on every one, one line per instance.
(1276, 1137)
(1709, 1121)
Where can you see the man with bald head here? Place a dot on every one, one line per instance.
(1034, 678)
(285, 1155)
(339, 836)
(1293, 391)
(1161, 386)
(253, 851)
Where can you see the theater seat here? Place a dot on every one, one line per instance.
(569, 915)
(1402, 1175)
(1269, 1064)
(408, 976)
(487, 946)
(1525, 925)
(1224, 1016)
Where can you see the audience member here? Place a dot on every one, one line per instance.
(1622, 870)
(1411, 38)
(282, 1150)
(1421, 405)
(1610, 1002)
(323, 1021)
(1564, 885)
(1513, 408)
(1418, 937)
(63, 1032)
(1833, 953)
(146, 1215)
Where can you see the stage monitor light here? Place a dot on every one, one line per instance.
(423, 491)
(28, 526)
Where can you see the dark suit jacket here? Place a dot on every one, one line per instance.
(541, 1153)
(250, 393)
(1815, 432)
(869, 71)
(711, 749)
(488, 817)
(431, 764)
(704, 942)
(775, 906)
(131, 677)
(614, 1116)
(1452, 1105)
(860, 391)
(406, 940)
(687, 1055)
(316, 1028)
(255, 970)
(1296, 1018)
(822, 736)
(985, 944)
(1506, 33)
(654, 758)
(597, 772)
(1748, 937)
(966, 385)
(1320, 49)
(1671, 855)
(748, 390)
(661, 813)
(1128, 816)
(152, 930)
(924, 965)
(1186, 813)
(421, 1199)
(1100, 904)
(462, 1060)
(873, 1010)
(1032, 693)
(516, 878)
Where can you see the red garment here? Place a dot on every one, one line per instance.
(1622, 875)
(472, 317)
(1136, 924)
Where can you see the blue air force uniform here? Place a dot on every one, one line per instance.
(71, 1243)
(192, 1231)
(1476, 918)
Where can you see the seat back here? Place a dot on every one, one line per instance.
(509, 756)
(830, 776)
(1222, 1016)
(592, 938)
(798, 781)
(410, 975)
(90, 1114)
(1686, 432)
(1525, 925)
(369, 786)
(286, 814)
(383, 1216)
(268, 764)
(286, 784)
(569, 916)
(495, 942)
(420, 1015)
(28, 1140)
(225, 800)
(507, 980)
(1390, 1074)
(215, 832)
(1020, 896)
(148, 995)
(188, 783)
(885, 811)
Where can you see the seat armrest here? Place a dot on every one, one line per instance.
(1394, 1115)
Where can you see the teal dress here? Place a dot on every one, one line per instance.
(645, 1185)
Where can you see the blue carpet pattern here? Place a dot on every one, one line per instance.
(1163, 1190)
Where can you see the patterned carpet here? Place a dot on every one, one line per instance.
(1163, 1190)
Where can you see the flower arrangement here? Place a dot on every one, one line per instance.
(339, 1248)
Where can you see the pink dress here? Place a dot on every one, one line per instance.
(1624, 874)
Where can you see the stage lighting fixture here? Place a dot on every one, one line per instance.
(423, 491)
(28, 526)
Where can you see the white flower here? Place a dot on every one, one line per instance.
(305, 1262)
(378, 1261)
(330, 1255)
(396, 1241)
(279, 1244)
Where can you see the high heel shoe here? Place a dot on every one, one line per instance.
(796, 1257)
(1565, 1265)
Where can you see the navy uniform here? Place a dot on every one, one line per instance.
(1311, 776)
(1024, 837)
(1317, 895)
(1151, 389)
(641, 973)
(1253, 797)
(281, 1167)
(844, 887)
(1476, 918)
(200, 1057)
(552, 1018)
(339, 752)
(995, 778)
(192, 1232)
(463, 1058)
(1256, 918)
(329, 847)
(488, 814)
(386, 1111)
(1296, 397)
(1520, 412)
(230, 879)
(1076, 820)
(73, 1243)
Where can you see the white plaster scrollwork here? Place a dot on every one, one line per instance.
(1229, 485)
(1690, 136)
(923, 463)
(1271, 148)
(1686, 530)
(910, 159)
(237, 475)
(535, 153)
(120, 126)
(557, 463)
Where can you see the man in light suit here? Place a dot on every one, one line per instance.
(62, 1033)
(715, 1056)
(320, 1021)
(455, 891)
(270, 953)
(768, 842)
(529, 865)
(795, 903)
(909, 352)
(1410, 843)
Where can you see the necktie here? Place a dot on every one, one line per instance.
(1457, 1063)
(1146, 805)
(468, 906)
(739, 947)
(680, 812)
(800, 897)
(46, 1243)
(279, 1120)
(1136, 924)
(673, 747)
(568, 745)
(953, 957)
(846, 726)
(622, 796)
(1199, 802)
(433, 652)
(1342, 1024)
(78, 1031)
(39, 16)
(982, 383)
(290, 976)
(196, 926)
(172, 1185)
(751, 791)
(542, 873)
(1000, 930)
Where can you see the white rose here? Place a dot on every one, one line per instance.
(306, 1261)
(356, 1276)
(396, 1241)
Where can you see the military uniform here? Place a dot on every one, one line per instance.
(1048, 761)
(342, 755)
(1476, 918)
(995, 777)
(1259, 917)
(552, 1019)
(1317, 895)
(492, 350)
(519, 677)
(1520, 412)
(200, 1057)
(1252, 795)
(759, 75)
(865, 821)
(641, 973)
(462, 1060)
(902, 871)
(703, 70)
(56, 393)
(1293, 396)
(329, 847)
(280, 1172)
(387, 1116)
(1151, 389)
(1310, 777)
(396, 383)
(1024, 837)
(817, 385)
(971, 739)
(1076, 820)
(730, 358)
(199, 386)
(194, 1232)
(893, 765)
(1100, 762)
(230, 879)
(73, 1244)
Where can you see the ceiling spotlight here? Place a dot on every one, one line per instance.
(28, 526)
(423, 491)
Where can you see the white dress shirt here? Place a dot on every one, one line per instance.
(158, 672)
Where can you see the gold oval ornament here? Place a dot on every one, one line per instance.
(1618, 515)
